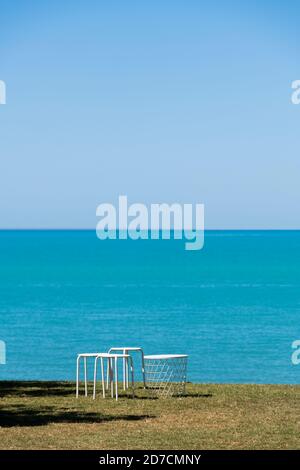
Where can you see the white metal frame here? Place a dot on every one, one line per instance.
(84, 357)
(112, 372)
(125, 351)
(166, 373)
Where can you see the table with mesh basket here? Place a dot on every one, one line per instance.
(166, 374)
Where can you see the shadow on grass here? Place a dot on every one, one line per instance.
(197, 395)
(36, 389)
(44, 389)
(153, 396)
(67, 389)
(24, 416)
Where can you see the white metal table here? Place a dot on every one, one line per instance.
(112, 371)
(166, 373)
(84, 357)
(126, 350)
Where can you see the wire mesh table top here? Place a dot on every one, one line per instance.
(125, 348)
(165, 356)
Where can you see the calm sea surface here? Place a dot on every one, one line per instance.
(234, 306)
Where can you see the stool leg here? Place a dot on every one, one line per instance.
(85, 378)
(143, 369)
(77, 376)
(127, 370)
(107, 375)
(95, 378)
(124, 371)
(116, 376)
(111, 373)
(132, 376)
(102, 377)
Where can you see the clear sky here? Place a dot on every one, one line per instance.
(163, 101)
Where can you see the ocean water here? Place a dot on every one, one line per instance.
(234, 306)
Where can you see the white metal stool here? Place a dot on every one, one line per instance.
(112, 372)
(83, 356)
(125, 350)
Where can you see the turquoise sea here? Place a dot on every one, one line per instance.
(234, 306)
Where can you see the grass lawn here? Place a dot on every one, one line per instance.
(46, 415)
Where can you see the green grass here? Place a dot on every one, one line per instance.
(46, 415)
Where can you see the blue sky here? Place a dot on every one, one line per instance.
(164, 101)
